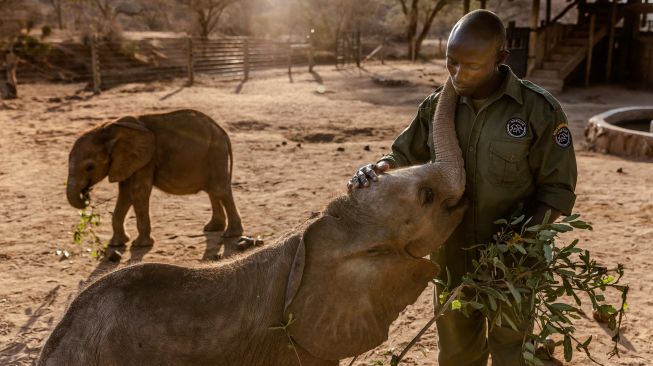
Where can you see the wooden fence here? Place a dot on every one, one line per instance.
(105, 64)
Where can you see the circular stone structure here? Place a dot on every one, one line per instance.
(623, 131)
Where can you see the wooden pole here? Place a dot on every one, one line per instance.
(337, 39)
(383, 51)
(546, 25)
(311, 59)
(483, 4)
(613, 18)
(189, 54)
(289, 59)
(590, 48)
(359, 51)
(412, 49)
(246, 59)
(465, 7)
(95, 66)
(532, 42)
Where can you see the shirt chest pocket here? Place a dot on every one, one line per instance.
(508, 163)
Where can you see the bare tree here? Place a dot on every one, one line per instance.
(419, 12)
(207, 13)
(57, 5)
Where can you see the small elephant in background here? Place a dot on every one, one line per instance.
(180, 152)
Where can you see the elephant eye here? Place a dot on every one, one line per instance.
(90, 167)
(426, 196)
(377, 251)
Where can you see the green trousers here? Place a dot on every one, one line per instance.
(465, 341)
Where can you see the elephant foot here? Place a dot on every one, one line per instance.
(233, 231)
(119, 240)
(214, 226)
(143, 241)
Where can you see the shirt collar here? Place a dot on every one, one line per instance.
(512, 84)
(511, 87)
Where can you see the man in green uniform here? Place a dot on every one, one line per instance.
(517, 150)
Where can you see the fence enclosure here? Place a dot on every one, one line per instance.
(106, 64)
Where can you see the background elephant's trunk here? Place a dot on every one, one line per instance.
(74, 194)
(445, 141)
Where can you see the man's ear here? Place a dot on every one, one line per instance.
(502, 56)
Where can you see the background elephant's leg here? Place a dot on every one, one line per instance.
(123, 203)
(234, 224)
(218, 219)
(140, 188)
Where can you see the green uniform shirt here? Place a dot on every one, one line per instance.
(517, 150)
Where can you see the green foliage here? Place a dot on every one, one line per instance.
(31, 48)
(84, 231)
(527, 281)
(291, 343)
(46, 30)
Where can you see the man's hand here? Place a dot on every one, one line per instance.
(366, 174)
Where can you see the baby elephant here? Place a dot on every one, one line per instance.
(180, 152)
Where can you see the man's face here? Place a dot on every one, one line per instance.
(471, 63)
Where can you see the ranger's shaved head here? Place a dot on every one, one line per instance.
(480, 24)
(476, 48)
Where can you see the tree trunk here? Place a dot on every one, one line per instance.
(59, 14)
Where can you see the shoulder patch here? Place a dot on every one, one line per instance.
(553, 102)
(562, 135)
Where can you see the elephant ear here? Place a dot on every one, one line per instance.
(346, 302)
(131, 147)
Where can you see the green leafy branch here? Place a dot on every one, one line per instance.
(524, 280)
(84, 231)
(291, 342)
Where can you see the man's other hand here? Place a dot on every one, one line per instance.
(366, 174)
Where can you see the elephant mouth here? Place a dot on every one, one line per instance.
(411, 252)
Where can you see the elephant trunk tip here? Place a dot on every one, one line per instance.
(78, 198)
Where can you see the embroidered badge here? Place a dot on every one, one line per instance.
(516, 127)
(562, 136)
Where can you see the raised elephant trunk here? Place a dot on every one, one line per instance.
(445, 141)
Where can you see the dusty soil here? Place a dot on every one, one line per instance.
(296, 142)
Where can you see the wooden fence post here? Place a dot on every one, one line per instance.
(189, 50)
(311, 60)
(590, 48)
(337, 39)
(289, 59)
(246, 59)
(359, 50)
(95, 65)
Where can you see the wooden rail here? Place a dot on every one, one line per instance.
(105, 64)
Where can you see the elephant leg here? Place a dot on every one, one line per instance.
(234, 224)
(123, 203)
(140, 189)
(218, 219)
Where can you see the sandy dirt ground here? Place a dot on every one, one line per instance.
(296, 142)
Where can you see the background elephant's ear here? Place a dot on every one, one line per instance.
(131, 147)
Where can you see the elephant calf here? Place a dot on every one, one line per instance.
(180, 152)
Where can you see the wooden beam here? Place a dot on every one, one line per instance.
(532, 42)
(465, 7)
(613, 19)
(590, 48)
